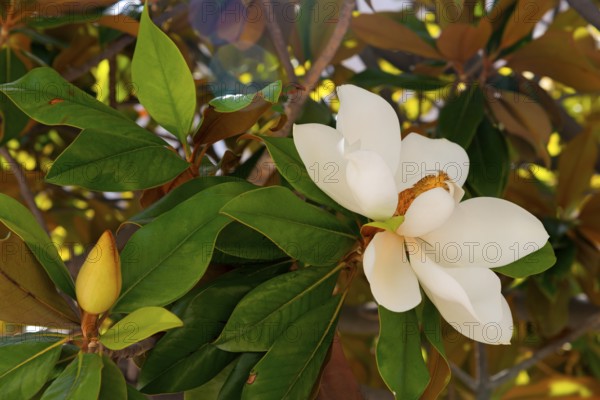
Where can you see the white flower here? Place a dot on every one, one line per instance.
(445, 245)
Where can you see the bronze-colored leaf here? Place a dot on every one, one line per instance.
(459, 42)
(218, 126)
(589, 220)
(27, 294)
(439, 371)
(556, 55)
(523, 117)
(524, 191)
(576, 168)
(525, 16)
(337, 380)
(385, 33)
(121, 23)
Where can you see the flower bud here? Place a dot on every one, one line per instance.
(98, 284)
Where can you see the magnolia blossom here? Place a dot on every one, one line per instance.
(443, 245)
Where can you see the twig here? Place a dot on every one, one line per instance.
(278, 42)
(588, 11)
(134, 350)
(501, 377)
(26, 192)
(293, 108)
(118, 45)
(463, 376)
(483, 387)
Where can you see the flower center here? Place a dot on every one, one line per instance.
(407, 196)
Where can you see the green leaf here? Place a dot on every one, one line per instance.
(391, 224)
(112, 386)
(240, 241)
(179, 195)
(399, 357)
(371, 78)
(19, 220)
(211, 389)
(184, 358)
(489, 161)
(534, 263)
(461, 115)
(134, 394)
(46, 97)
(27, 294)
(79, 381)
(234, 385)
(181, 239)
(236, 102)
(13, 119)
(270, 310)
(165, 85)
(303, 231)
(290, 166)
(292, 365)
(25, 367)
(115, 161)
(139, 325)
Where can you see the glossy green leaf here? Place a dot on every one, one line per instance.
(79, 381)
(134, 394)
(303, 231)
(110, 161)
(240, 241)
(211, 389)
(25, 367)
(181, 240)
(371, 78)
(461, 115)
(112, 386)
(236, 102)
(184, 358)
(489, 161)
(19, 220)
(179, 195)
(398, 354)
(270, 310)
(164, 83)
(534, 263)
(290, 166)
(27, 294)
(13, 119)
(234, 384)
(139, 325)
(46, 97)
(292, 365)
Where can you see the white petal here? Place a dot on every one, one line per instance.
(372, 184)
(486, 232)
(320, 148)
(469, 299)
(393, 282)
(421, 156)
(366, 117)
(427, 212)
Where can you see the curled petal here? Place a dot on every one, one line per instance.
(421, 156)
(469, 299)
(486, 232)
(372, 184)
(427, 212)
(321, 150)
(393, 282)
(367, 118)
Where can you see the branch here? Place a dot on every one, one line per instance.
(26, 192)
(463, 376)
(118, 45)
(501, 377)
(588, 11)
(483, 387)
(278, 42)
(134, 350)
(293, 108)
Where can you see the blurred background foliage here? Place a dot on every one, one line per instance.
(515, 82)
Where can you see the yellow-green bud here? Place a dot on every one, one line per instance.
(98, 283)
